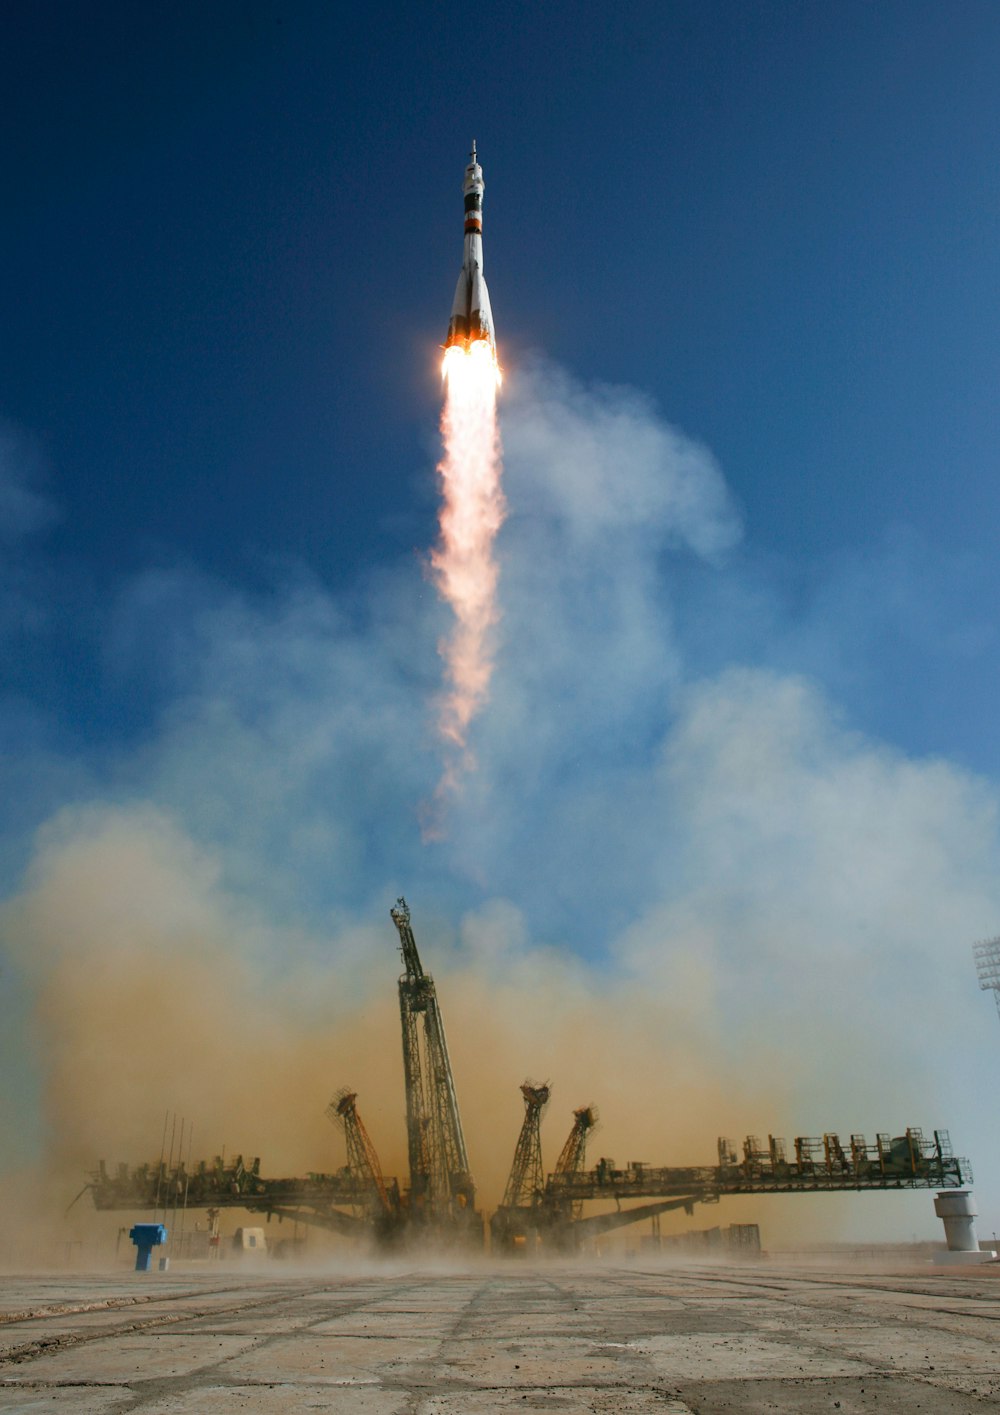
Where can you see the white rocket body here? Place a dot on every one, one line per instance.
(471, 316)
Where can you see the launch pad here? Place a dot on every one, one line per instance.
(538, 1211)
(475, 1340)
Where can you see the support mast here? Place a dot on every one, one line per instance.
(440, 1182)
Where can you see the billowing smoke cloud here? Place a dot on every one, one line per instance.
(702, 901)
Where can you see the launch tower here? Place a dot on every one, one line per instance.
(442, 1193)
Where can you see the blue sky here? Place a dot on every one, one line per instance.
(231, 237)
(743, 265)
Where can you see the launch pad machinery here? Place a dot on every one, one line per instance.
(539, 1211)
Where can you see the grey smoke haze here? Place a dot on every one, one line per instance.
(693, 892)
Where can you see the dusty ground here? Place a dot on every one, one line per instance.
(565, 1338)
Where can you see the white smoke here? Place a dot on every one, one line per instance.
(700, 899)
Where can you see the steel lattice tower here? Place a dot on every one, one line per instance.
(574, 1152)
(362, 1161)
(527, 1177)
(440, 1181)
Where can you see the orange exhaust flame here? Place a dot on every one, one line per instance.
(465, 570)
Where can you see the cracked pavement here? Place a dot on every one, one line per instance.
(449, 1340)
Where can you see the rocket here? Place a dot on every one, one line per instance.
(471, 316)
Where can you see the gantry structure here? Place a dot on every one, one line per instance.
(538, 1210)
(442, 1192)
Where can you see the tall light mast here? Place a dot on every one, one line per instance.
(987, 956)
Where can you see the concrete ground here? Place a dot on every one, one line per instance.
(444, 1341)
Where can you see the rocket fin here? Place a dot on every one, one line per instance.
(480, 312)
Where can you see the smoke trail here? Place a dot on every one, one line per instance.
(465, 570)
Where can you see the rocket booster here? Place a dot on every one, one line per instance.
(471, 316)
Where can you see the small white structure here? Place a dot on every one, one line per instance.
(250, 1243)
(956, 1208)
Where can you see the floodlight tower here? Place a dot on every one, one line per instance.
(987, 956)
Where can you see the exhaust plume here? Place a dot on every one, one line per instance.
(464, 566)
